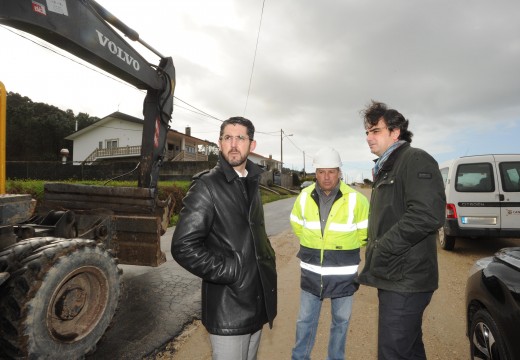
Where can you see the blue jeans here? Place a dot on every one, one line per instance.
(307, 323)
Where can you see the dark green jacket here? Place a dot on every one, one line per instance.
(407, 207)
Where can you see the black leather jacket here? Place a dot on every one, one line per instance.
(220, 237)
(407, 207)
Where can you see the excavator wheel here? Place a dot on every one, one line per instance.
(59, 300)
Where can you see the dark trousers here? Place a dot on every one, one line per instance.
(400, 325)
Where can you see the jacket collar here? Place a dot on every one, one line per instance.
(230, 173)
(341, 191)
(389, 163)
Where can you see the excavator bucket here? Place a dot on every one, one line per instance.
(138, 217)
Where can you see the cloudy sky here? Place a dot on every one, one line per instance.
(451, 67)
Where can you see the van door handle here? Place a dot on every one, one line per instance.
(501, 197)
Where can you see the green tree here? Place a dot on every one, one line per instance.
(37, 131)
(213, 153)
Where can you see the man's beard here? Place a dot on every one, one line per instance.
(235, 162)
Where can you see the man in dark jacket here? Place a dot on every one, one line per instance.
(221, 237)
(407, 207)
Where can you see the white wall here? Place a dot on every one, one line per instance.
(127, 134)
(259, 160)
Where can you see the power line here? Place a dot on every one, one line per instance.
(292, 142)
(191, 108)
(67, 57)
(254, 57)
(64, 55)
(272, 133)
(201, 112)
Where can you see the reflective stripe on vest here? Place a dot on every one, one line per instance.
(349, 226)
(330, 270)
(315, 225)
(346, 226)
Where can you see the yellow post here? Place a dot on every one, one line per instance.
(3, 110)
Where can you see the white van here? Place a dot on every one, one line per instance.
(482, 197)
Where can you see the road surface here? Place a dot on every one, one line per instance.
(444, 320)
(158, 302)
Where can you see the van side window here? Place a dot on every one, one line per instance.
(510, 175)
(477, 177)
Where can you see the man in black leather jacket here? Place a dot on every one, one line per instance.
(221, 237)
(407, 207)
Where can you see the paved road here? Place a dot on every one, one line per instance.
(157, 302)
(276, 216)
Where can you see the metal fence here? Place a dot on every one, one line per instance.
(122, 170)
(57, 171)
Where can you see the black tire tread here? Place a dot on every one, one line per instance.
(482, 315)
(28, 263)
(446, 242)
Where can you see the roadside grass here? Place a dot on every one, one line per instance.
(268, 197)
(177, 189)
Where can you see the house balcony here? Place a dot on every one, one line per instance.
(111, 153)
(185, 156)
(134, 151)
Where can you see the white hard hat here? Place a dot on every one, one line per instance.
(326, 158)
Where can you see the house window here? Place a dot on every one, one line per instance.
(100, 145)
(111, 143)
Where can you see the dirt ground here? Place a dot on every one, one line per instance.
(443, 326)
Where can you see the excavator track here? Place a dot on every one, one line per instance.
(60, 298)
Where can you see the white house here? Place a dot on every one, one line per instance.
(119, 135)
(267, 163)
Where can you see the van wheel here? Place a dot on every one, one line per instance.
(446, 242)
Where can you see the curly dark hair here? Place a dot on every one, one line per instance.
(240, 121)
(392, 118)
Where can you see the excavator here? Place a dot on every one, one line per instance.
(60, 282)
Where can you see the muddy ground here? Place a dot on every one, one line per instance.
(443, 326)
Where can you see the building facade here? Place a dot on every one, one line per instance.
(119, 136)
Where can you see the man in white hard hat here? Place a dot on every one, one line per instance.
(330, 219)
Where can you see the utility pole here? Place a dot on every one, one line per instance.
(281, 151)
(282, 134)
(304, 164)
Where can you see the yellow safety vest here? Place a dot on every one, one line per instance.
(330, 262)
(346, 226)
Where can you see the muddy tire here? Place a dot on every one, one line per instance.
(446, 242)
(60, 300)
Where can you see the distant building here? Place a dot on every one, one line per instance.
(266, 163)
(119, 135)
